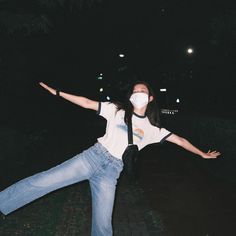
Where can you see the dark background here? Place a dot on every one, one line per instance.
(67, 44)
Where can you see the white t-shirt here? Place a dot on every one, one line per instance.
(115, 139)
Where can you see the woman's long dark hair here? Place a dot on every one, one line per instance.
(152, 112)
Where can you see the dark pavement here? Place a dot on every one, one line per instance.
(174, 195)
(68, 212)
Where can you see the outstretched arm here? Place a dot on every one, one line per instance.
(78, 100)
(184, 143)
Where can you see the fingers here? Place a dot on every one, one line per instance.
(216, 153)
(213, 152)
(43, 85)
(46, 87)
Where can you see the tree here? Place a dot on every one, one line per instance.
(26, 17)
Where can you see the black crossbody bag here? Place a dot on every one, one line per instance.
(130, 155)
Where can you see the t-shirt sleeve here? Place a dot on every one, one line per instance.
(106, 109)
(162, 135)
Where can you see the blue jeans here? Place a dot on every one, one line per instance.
(95, 164)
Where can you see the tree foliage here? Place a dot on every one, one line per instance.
(27, 16)
(223, 25)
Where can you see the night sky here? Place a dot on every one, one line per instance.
(69, 43)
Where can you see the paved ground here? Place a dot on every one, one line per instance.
(166, 201)
(191, 200)
(67, 212)
(175, 196)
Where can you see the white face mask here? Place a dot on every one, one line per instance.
(139, 100)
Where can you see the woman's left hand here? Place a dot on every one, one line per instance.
(210, 154)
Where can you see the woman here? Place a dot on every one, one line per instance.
(102, 163)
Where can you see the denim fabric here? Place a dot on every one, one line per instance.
(95, 164)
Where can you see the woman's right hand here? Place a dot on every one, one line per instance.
(78, 100)
(51, 90)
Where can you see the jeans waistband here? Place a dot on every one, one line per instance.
(107, 153)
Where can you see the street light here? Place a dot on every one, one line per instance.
(190, 50)
(163, 90)
(100, 76)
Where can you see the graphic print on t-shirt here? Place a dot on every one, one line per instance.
(138, 133)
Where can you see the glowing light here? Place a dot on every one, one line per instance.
(170, 112)
(101, 89)
(190, 50)
(121, 55)
(100, 76)
(177, 100)
(108, 98)
(163, 90)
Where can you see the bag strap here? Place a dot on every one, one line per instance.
(130, 131)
